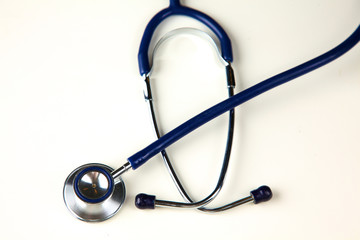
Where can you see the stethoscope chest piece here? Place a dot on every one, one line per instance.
(91, 193)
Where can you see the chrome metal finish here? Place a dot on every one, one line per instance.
(93, 185)
(116, 173)
(199, 204)
(147, 89)
(230, 77)
(164, 155)
(233, 204)
(162, 203)
(191, 203)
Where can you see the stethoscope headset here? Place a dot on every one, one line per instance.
(95, 192)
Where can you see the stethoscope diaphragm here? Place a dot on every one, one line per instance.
(91, 193)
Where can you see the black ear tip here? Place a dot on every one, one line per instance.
(144, 201)
(261, 194)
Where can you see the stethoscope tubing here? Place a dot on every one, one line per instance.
(88, 208)
(165, 141)
(176, 9)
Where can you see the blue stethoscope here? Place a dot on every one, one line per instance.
(95, 192)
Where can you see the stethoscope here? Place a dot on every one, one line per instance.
(95, 192)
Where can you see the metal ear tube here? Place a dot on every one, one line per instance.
(261, 194)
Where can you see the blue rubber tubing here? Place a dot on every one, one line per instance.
(148, 152)
(176, 9)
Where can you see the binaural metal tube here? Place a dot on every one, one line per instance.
(259, 195)
(162, 203)
(191, 203)
(233, 204)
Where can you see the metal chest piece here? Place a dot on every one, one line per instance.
(91, 193)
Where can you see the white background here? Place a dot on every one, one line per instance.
(70, 94)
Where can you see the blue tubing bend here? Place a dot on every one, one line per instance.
(176, 9)
(142, 156)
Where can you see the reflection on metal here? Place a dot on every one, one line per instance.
(91, 194)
